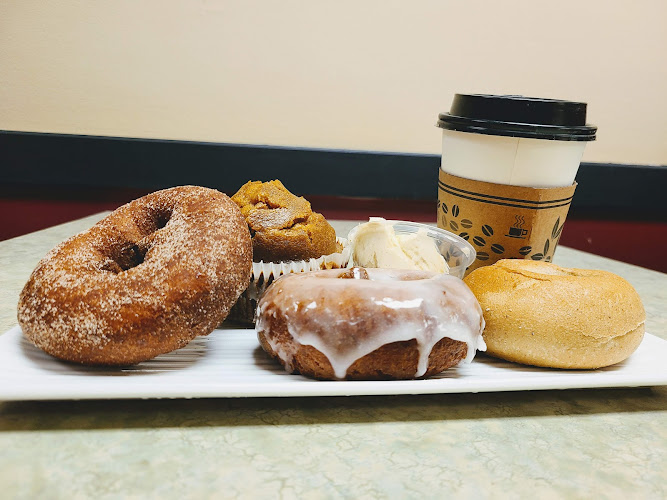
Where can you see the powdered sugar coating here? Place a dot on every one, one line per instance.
(145, 280)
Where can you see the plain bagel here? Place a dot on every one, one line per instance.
(541, 314)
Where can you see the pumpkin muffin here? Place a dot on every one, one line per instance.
(283, 226)
(287, 237)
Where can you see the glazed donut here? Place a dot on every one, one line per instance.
(541, 314)
(145, 280)
(369, 324)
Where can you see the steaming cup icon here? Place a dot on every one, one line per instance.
(517, 232)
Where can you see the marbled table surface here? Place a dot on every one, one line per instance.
(591, 443)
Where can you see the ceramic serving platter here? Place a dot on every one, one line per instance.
(230, 363)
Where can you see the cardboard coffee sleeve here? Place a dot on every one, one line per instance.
(503, 221)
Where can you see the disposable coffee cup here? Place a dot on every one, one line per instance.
(507, 174)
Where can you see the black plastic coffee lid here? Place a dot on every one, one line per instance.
(518, 116)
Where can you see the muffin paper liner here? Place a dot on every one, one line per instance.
(265, 273)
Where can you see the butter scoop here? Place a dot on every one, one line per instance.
(376, 244)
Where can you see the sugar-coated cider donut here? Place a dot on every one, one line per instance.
(541, 314)
(369, 324)
(145, 280)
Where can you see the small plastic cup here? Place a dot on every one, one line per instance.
(458, 253)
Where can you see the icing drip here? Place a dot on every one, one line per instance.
(346, 319)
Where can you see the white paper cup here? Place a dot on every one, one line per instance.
(514, 140)
(507, 175)
(517, 161)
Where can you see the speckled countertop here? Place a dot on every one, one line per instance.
(593, 443)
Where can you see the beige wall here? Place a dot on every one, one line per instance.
(369, 75)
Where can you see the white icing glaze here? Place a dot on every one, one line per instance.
(346, 319)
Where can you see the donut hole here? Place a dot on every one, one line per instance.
(130, 257)
(153, 219)
(123, 257)
(130, 248)
(149, 220)
(160, 218)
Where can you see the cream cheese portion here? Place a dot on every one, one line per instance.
(376, 244)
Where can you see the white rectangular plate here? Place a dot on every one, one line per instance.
(229, 363)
